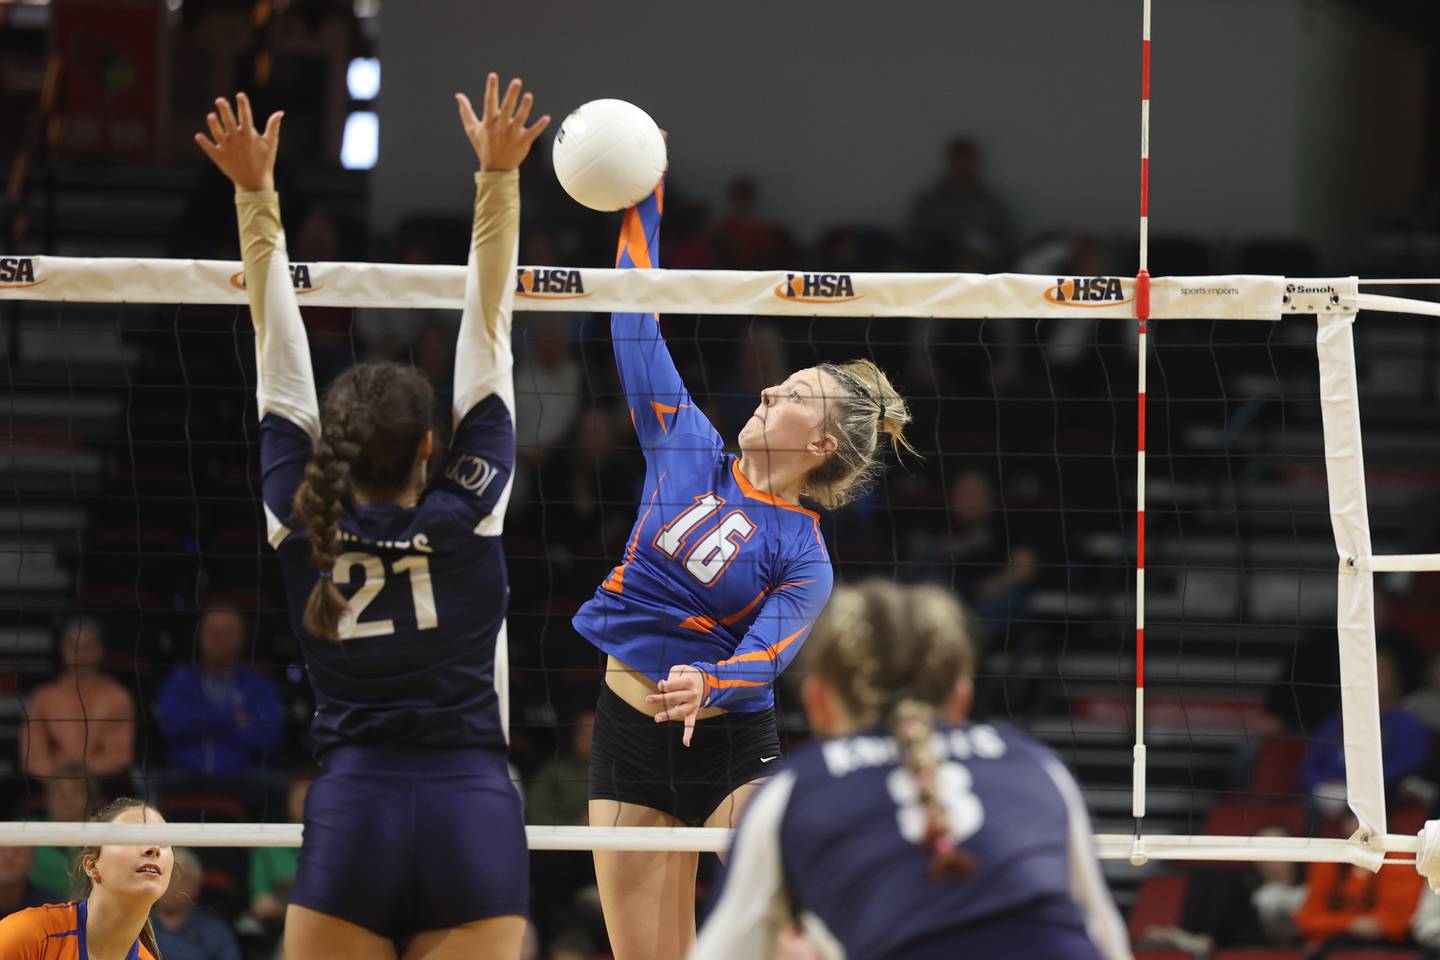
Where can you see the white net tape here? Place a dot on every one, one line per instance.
(818, 294)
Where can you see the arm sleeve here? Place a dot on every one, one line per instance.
(661, 409)
(285, 382)
(1087, 884)
(752, 906)
(777, 634)
(484, 363)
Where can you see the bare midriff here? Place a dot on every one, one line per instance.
(633, 687)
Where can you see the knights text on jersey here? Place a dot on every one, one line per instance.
(428, 596)
(716, 573)
(849, 837)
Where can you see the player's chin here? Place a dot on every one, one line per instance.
(752, 435)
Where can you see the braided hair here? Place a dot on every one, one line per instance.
(866, 406)
(373, 419)
(894, 655)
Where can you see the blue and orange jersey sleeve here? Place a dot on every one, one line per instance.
(777, 634)
(665, 417)
(50, 932)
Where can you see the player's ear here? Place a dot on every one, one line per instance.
(962, 698)
(427, 446)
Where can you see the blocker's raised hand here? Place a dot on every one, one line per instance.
(242, 153)
(501, 139)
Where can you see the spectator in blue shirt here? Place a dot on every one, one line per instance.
(221, 718)
(183, 930)
(1403, 740)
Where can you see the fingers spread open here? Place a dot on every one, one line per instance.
(512, 94)
(492, 96)
(242, 107)
(227, 115)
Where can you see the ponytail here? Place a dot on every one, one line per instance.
(912, 723)
(893, 655)
(866, 408)
(147, 939)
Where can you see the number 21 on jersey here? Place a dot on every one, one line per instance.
(372, 581)
(707, 560)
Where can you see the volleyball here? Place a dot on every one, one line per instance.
(609, 155)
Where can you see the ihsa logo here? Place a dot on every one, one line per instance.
(817, 288)
(18, 272)
(550, 284)
(299, 279)
(1087, 292)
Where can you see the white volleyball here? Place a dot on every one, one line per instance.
(609, 155)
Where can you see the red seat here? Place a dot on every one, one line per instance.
(1158, 904)
(1245, 819)
(1408, 819)
(1277, 767)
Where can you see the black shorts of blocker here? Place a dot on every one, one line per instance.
(636, 760)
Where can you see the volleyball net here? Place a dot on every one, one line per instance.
(132, 472)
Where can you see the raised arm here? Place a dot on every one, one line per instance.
(483, 358)
(664, 415)
(285, 382)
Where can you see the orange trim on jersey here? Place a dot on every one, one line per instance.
(705, 623)
(663, 408)
(769, 653)
(632, 238)
(754, 493)
(615, 583)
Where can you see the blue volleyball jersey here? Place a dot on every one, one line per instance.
(716, 573)
(833, 842)
(426, 584)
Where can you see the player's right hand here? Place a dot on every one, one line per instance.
(242, 153)
(501, 140)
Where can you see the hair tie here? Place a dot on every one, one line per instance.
(327, 574)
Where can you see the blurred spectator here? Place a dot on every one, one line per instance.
(272, 869)
(548, 385)
(183, 929)
(1424, 703)
(742, 240)
(17, 890)
(1349, 906)
(1404, 742)
(82, 716)
(960, 213)
(70, 797)
(1425, 926)
(1225, 908)
(975, 556)
(759, 363)
(558, 792)
(219, 717)
(596, 478)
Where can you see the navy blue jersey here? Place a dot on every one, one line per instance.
(426, 584)
(416, 661)
(833, 841)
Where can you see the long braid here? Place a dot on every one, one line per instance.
(893, 655)
(372, 421)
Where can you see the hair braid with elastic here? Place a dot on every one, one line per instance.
(372, 421)
(893, 655)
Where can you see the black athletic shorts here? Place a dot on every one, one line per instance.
(636, 760)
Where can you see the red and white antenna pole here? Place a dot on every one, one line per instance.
(1142, 314)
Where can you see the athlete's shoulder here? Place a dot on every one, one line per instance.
(30, 929)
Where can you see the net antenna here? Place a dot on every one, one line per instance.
(1142, 314)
